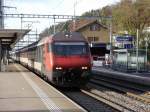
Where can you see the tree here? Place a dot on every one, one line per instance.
(132, 15)
(128, 15)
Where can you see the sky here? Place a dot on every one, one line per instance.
(57, 7)
(51, 7)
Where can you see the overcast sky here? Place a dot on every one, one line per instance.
(57, 6)
(62, 7)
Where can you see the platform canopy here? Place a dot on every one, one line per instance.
(9, 37)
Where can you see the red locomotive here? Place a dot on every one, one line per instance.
(64, 59)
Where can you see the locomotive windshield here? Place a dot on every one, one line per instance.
(70, 48)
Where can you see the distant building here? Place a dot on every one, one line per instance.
(93, 30)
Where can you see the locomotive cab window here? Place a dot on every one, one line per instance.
(70, 48)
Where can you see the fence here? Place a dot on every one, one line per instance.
(127, 61)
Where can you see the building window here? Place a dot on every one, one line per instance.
(92, 39)
(95, 27)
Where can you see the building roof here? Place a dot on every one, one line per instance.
(10, 37)
(82, 23)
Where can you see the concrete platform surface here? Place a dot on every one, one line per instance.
(26, 92)
(141, 78)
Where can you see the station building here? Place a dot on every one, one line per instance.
(96, 33)
(91, 29)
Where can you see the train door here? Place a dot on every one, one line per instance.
(47, 58)
(32, 57)
(42, 59)
(46, 62)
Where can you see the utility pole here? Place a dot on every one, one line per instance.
(1, 13)
(137, 50)
(74, 20)
(110, 39)
(146, 48)
(2, 6)
(54, 26)
(21, 22)
(2, 27)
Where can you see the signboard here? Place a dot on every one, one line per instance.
(124, 38)
(128, 46)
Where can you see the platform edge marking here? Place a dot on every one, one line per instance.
(43, 96)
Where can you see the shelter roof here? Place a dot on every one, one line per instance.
(10, 37)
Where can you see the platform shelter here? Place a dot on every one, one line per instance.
(128, 60)
(8, 39)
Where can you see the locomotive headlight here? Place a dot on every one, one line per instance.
(58, 68)
(84, 68)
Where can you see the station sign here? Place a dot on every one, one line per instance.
(124, 38)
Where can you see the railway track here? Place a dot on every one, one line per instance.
(105, 96)
(101, 96)
(134, 90)
(84, 100)
(123, 96)
(88, 102)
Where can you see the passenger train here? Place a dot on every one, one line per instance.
(64, 59)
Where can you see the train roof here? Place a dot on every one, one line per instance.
(64, 37)
(68, 36)
(34, 44)
(58, 37)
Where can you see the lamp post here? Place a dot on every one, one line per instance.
(137, 49)
(110, 39)
(146, 46)
(74, 20)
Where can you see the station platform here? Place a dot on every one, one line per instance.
(140, 78)
(23, 91)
